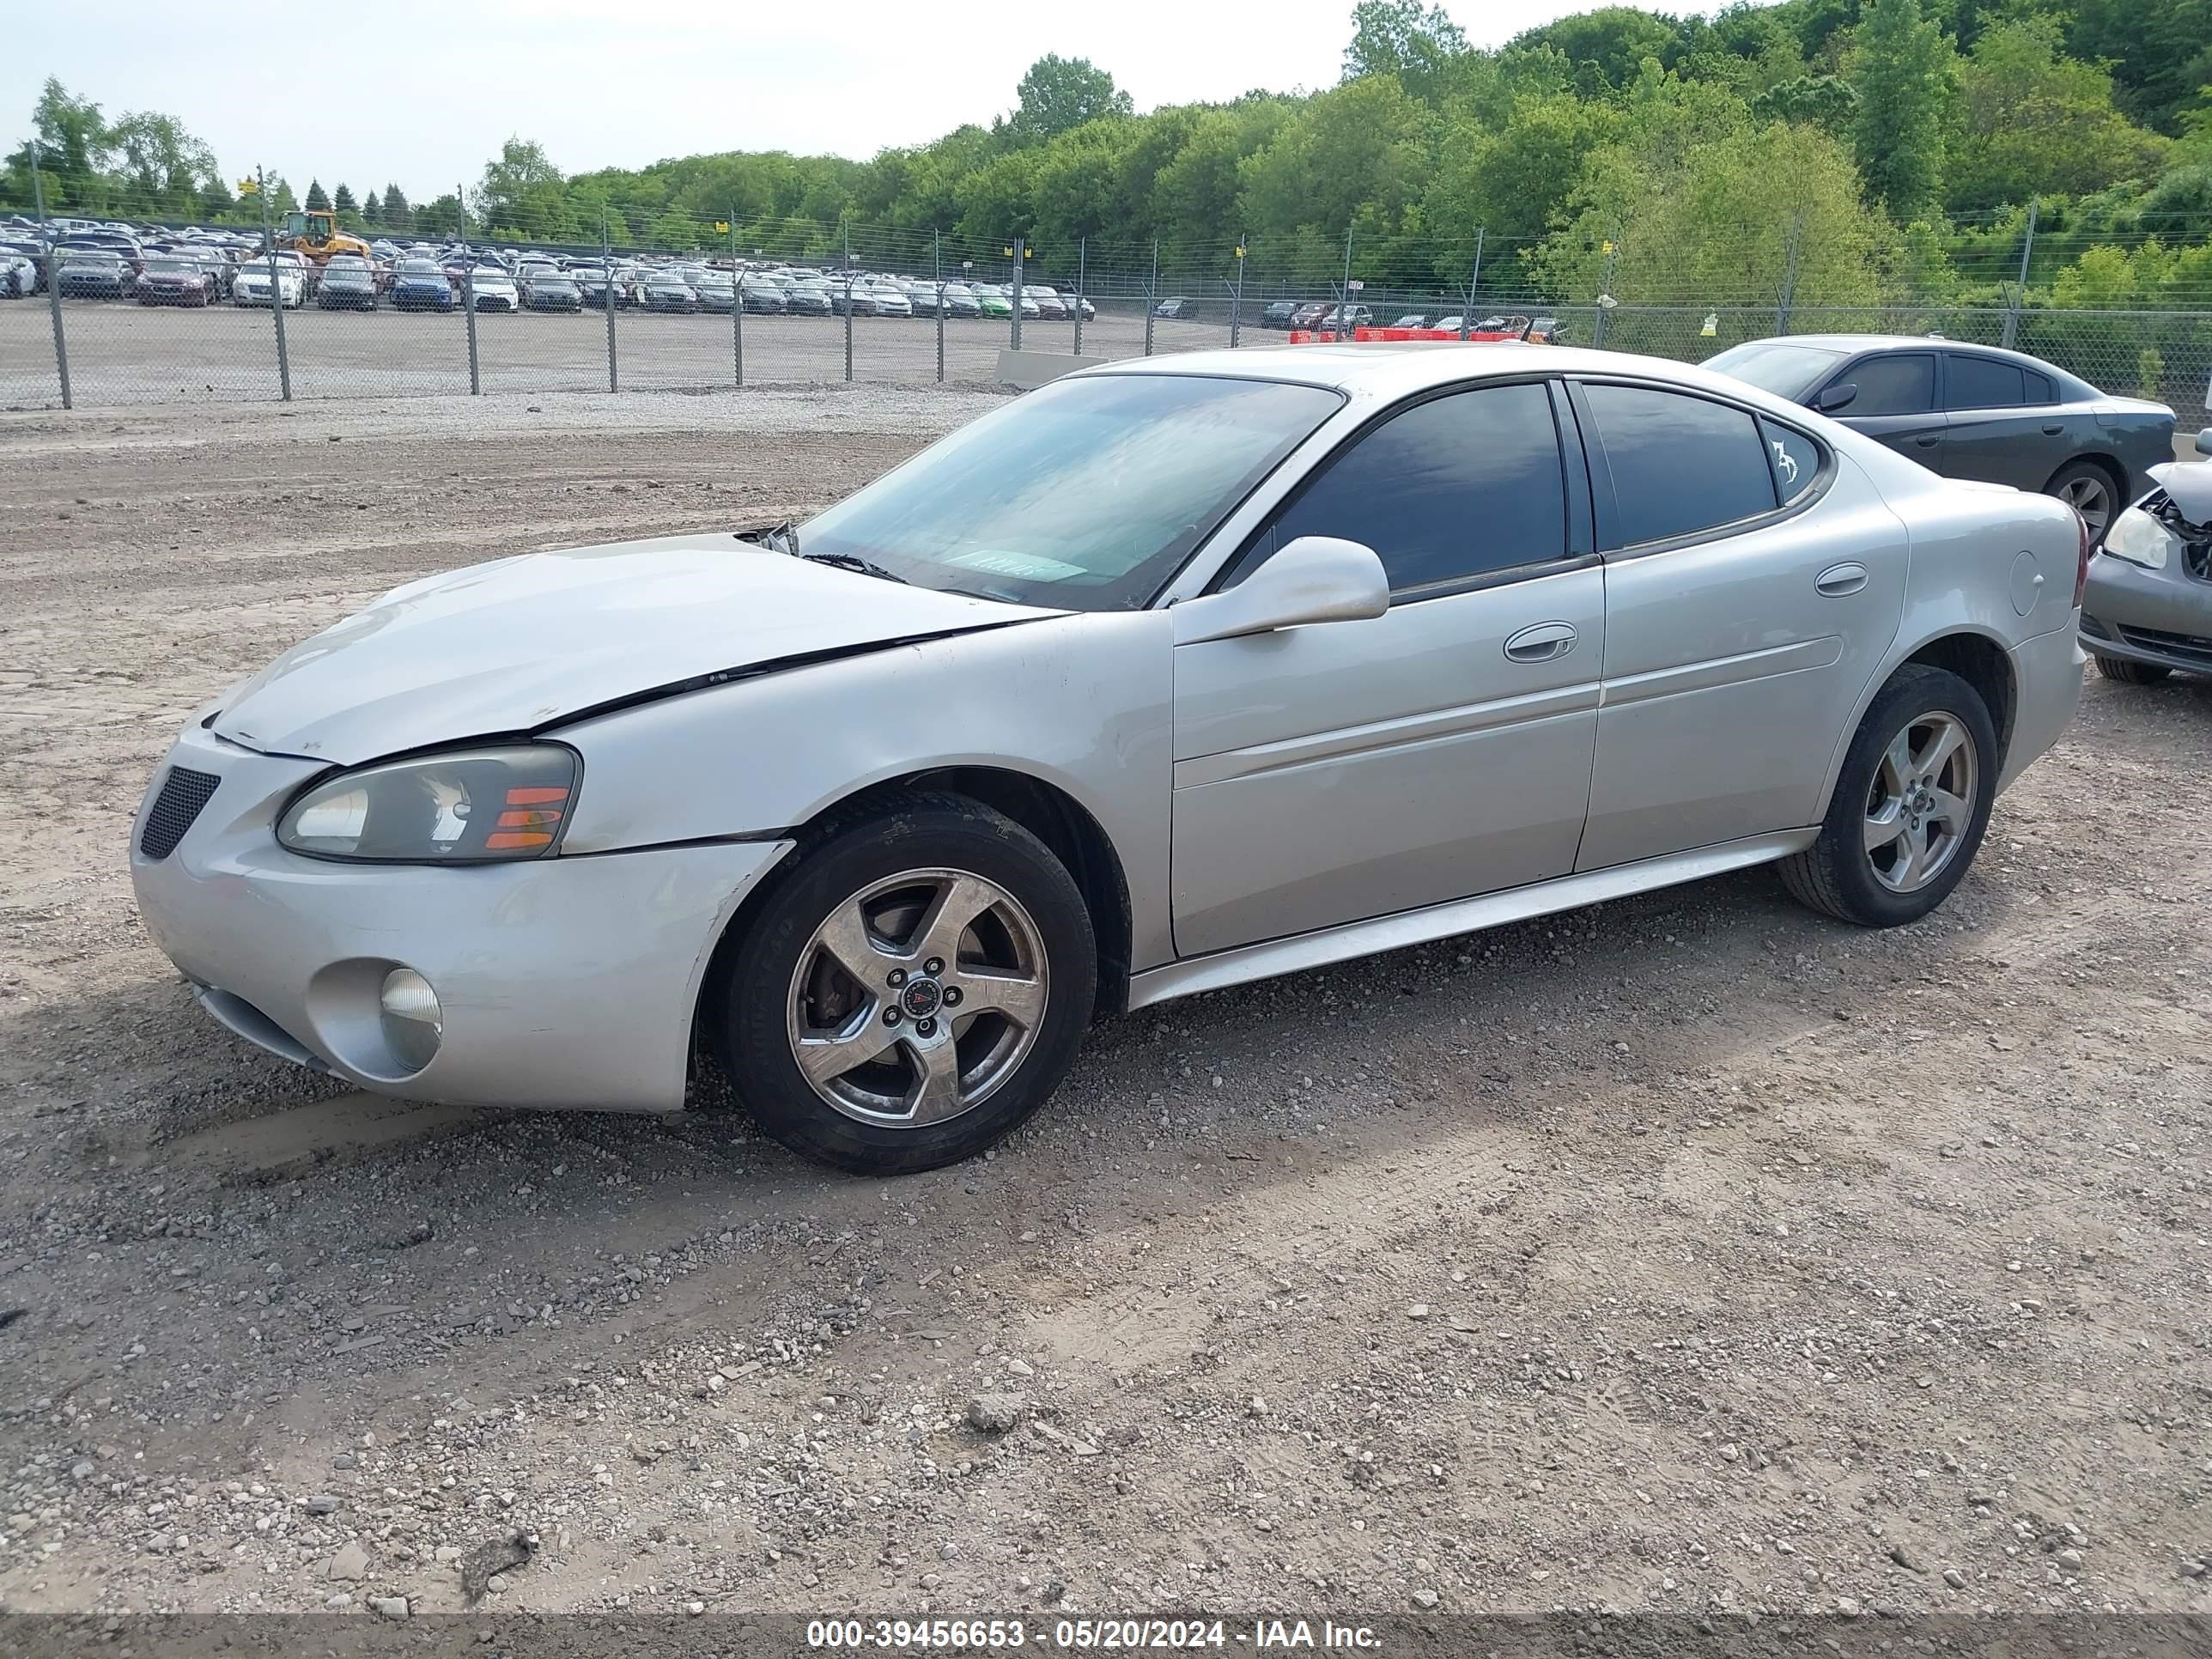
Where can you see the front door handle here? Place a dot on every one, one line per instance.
(1541, 642)
(1841, 579)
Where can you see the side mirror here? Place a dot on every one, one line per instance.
(2204, 442)
(1829, 400)
(1314, 579)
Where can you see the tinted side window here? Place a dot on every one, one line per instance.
(2040, 388)
(1456, 487)
(1794, 457)
(1903, 385)
(1983, 383)
(1680, 464)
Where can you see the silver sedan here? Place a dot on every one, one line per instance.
(2147, 611)
(1170, 676)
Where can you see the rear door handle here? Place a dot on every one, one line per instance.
(2054, 431)
(1928, 441)
(1541, 642)
(1839, 580)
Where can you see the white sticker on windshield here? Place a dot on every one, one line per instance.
(1022, 566)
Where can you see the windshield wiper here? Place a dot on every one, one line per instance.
(851, 562)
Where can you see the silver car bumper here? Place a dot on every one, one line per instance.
(2047, 668)
(564, 982)
(2159, 616)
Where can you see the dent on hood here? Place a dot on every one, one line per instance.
(2189, 483)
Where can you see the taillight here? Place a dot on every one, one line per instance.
(2081, 565)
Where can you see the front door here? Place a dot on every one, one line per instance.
(1753, 582)
(1327, 773)
(1897, 403)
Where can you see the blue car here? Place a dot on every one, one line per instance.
(420, 285)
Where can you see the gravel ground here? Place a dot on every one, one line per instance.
(1688, 1253)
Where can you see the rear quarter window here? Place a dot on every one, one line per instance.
(1680, 464)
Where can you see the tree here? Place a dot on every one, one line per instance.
(1825, 101)
(1608, 47)
(166, 168)
(443, 217)
(344, 205)
(372, 211)
(1416, 43)
(674, 232)
(2033, 123)
(398, 217)
(73, 139)
(523, 188)
(2161, 51)
(317, 201)
(1900, 66)
(1060, 93)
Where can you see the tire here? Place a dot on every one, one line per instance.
(785, 993)
(2087, 487)
(1847, 873)
(2132, 673)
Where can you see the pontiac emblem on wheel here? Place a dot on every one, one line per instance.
(921, 998)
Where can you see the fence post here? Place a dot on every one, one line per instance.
(1152, 296)
(1473, 281)
(607, 267)
(937, 265)
(1237, 299)
(1605, 300)
(1019, 250)
(1789, 274)
(1343, 300)
(276, 289)
(1082, 263)
(736, 301)
(849, 311)
(53, 270)
(2020, 290)
(468, 291)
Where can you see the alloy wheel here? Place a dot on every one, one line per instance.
(2092, 497)
(917, 998)
(1921, 803)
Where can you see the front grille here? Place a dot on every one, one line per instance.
(184, 792)
(2186, 646)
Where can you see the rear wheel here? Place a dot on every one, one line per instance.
(2132, 673)
(911, 992)
(1910, 804)
(2087, 488)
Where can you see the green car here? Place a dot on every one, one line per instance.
(994, 304)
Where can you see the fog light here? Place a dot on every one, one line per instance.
(413, 1021)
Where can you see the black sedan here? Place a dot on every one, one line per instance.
(1970, 411)
(763, 297)
(1178, 308)
(1278, 313)
(553, 293)
(667, 294)
(348, 285)
(90, 273)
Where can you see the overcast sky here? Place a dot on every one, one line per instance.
(423, 92)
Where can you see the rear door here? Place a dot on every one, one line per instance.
(1329, 774)
(1753, 581)
(2005, 424)
(1897, 403)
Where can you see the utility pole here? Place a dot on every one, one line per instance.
(276, 288)
(53, 268)
(1019, 252)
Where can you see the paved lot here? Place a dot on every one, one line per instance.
(1687, 1252)
(124, 354)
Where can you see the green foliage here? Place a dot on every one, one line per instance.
(317, 201)
(1901, 66)
(1608, 47)
(1059, 94)
(443, 217)
(345, 206)
(2161, 51)
(2033, 122)
(1826, 101)
(1416, 44)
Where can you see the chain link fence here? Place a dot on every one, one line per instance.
(707, 303)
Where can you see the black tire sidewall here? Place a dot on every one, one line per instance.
(749, 1021)
(1918, 692)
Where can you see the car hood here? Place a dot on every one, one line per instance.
(522, 644)
(2189, 483)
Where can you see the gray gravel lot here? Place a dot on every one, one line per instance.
(1688, 1253)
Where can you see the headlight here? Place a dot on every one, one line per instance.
(464, 806)
(2140, 538)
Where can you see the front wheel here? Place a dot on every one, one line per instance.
(1910, 804)
(911, 992)
(2132, 673)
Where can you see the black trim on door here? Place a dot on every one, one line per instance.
(1601, 472)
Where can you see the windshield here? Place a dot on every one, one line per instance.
(1086, 495)
(170, 268)
(1787, 371)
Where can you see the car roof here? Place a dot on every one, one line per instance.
(1391, 369)
(1859, 344)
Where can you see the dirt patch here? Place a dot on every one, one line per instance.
(1688, 1253)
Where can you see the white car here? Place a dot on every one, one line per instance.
(890, 302)
(251, 287)
(495, 290)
